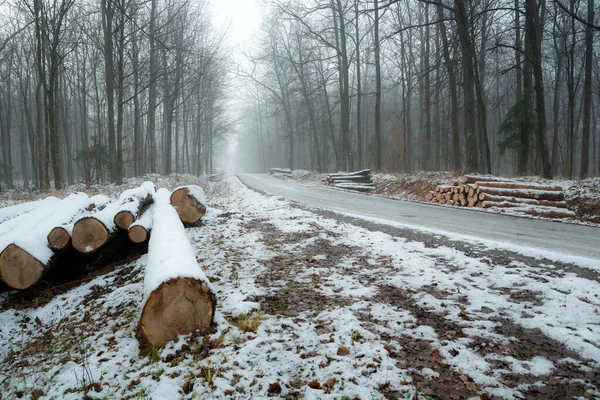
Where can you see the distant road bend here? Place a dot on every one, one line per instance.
(568, 239)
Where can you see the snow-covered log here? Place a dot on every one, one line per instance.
(358, 187)
(190, 203)
(131, 203)
(363, 172)
(523, 193)
(481, 178)
(24, 252)
(518, 185)
(177, 295)
(548, 212)
(59, 237)
(91, 232)
(546, 203)
(8, 213)
(139, 231)
(280, 171)
(351, 178)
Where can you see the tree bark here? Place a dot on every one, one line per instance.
(378, 139)
(462, 25)
(587, 93)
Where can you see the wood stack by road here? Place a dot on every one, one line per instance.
(520, 196)
(280, 171)
(359, 181)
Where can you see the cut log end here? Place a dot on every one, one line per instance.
(89, 234)
(177, 307)
(138, 234)
(188, 208)
(18, 268)
(124, 219)
(59, 239)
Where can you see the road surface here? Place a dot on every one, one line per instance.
(564, 238)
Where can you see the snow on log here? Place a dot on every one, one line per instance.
(481, 178)
(497, 204)
(359, 187)
(351, 178)
(24, 252)
(139, 231)
(282, 171)
(518, 185)
(522, 193)
(547, 212)
(93, 231)
(363, 172)
(59, 237)
(177, 295)
(131, 202)
(190, 203)
(8, 213)
(547, 203)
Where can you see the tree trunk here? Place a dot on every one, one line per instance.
(109, 74)
(358, 87)
(587, 93)
(534, 23)
(462, 25)
(378, 139)
(153, 76)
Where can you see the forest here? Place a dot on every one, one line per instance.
(96, 91)
(489, 86)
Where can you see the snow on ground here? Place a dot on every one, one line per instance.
(309, 307)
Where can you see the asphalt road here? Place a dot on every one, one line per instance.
(564, 238)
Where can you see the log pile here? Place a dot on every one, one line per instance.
(280, 171)
(486, 191)
(38, 236)
(359, 181)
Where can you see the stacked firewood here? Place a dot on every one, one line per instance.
(359, 181)
(503, 193)
(38, 236)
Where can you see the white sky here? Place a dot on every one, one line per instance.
(241, 17)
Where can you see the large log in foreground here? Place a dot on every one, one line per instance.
(24, 252)
(189, 202)
(177, 295)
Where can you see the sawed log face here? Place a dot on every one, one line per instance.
(177, 307)
(59, 239)
(89, 235)
(188, 208)
(19, 269)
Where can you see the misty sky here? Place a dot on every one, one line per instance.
(241, 17)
